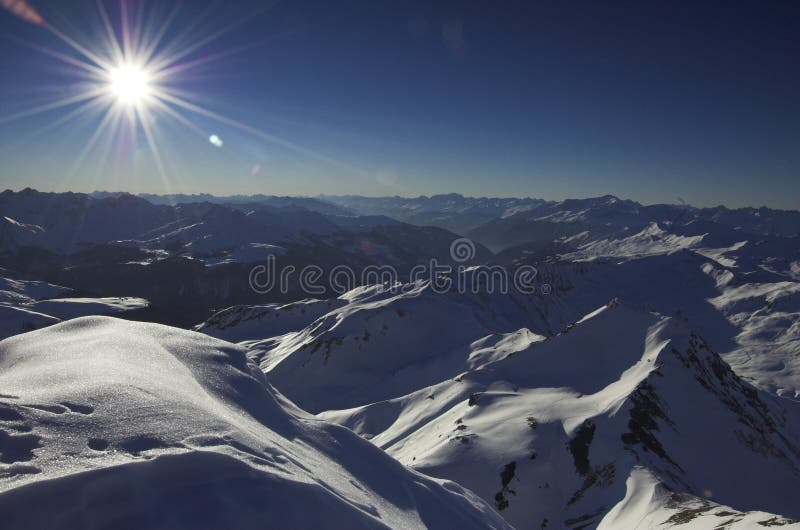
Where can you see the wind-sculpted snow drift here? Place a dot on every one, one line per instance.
(113, 424)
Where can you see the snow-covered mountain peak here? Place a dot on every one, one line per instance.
(651, 240)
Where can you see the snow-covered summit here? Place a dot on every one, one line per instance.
(118, 424)
(651, 240)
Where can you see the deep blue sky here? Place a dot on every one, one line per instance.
(654, 101)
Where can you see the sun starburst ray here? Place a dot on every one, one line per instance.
(152, 43)
(145, 120)
(166, 95)
(45, 107)
(177, 42)
(96, 59)
(126, 31)
(111, 38)
(169, 71)
(80, 111)
(89, 68)
(134, 77)
(111, 115)
(167, 60)
(166, 109)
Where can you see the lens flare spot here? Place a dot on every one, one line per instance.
(215, 140)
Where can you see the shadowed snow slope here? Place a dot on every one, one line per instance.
(386, 343)
(549, 427)
(241, 323)
(550, 432)
(115, 424)
(23, 291)
(26, 305)
(14, 320)
(65, 308)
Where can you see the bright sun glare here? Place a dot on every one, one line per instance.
(132, 72)
(129, 83)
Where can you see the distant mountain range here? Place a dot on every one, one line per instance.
(189, 258)
(501, 223)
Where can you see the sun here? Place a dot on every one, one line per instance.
(129, 83)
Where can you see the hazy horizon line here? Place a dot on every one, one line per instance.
(685, 204)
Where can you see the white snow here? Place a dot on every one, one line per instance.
(16, 291)
(647, 504)
(27, 305)
(536, 401)
(466, 410)
(108, 423)
(65, 308)
(378, 343)
(653, 240)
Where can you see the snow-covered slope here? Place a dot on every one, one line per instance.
(379, 342)
(648, 504)
(15, 320)
(66, 308)
(501, 394)
(27, 305)
(209, 229)
(114, 424)
(609, 216)
(551, 432)
(17, 301)
(15, 291)
(767, 349)
(650, 241)
(14, 234)
(247, 323)
(742, 298)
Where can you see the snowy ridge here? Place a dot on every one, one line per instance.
(14, 234)
(747, 310)
(137, 425)
(26, 291)
(242, 323)
(28, 305)
(551, 432)
(651, 240)
(648, 504)
(386, 342)
(546, 427)
(66, 308)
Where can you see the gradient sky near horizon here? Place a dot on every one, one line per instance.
(652, 101)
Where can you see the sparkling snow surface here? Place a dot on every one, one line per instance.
(112, 424)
